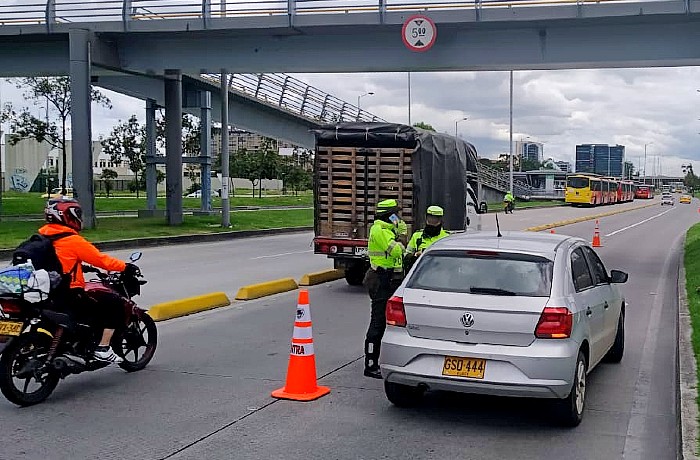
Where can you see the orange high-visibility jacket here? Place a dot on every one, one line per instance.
(73, 250)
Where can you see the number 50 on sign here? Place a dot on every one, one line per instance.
(419, 33)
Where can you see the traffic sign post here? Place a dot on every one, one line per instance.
(419, 33)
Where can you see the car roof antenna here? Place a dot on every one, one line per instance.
(498, 227)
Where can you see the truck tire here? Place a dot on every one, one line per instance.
(355, 274)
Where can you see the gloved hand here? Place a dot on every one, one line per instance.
(132, 270)
(401, 228)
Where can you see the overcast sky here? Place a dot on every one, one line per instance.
(632, 107)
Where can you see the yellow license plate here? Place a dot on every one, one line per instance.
(464, 367)
(10, 328)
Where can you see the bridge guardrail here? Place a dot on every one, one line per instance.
(48, 12)
(500, 180)
(293, 95)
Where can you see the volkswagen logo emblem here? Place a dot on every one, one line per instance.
(467, 320)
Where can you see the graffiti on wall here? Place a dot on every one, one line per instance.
(19, 180)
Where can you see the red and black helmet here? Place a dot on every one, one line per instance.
(64, 211)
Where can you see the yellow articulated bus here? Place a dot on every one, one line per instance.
(582, 189)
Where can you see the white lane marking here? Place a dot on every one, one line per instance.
(639, 223)
(271, 256)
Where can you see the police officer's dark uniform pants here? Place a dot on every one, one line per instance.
(381, 284)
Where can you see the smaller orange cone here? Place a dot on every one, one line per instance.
(596, 236)
(301, 374)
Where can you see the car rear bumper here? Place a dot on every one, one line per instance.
(545, 369)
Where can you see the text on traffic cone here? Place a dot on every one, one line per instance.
(596, 236)
(301, 382)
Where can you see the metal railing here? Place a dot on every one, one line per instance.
(50, 12)
(290, 94)
(500, 181)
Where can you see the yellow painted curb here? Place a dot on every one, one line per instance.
(254, 291)
(324, 276)
(576, 220)
(183, 307)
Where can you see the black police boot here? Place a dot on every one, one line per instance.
(372, 360)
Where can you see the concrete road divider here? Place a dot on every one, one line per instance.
(324, 276)
(255, 291)
(562, 223)
(183, 307)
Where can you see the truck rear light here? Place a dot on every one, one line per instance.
(333, 249)
(554, 323)
(322, 248)
(395, 313)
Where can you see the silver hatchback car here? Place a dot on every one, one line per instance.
(525, 314)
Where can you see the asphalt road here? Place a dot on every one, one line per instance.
(206, 393)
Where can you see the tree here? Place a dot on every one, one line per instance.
(424, 125)
(127, 142)
(256, 165)
(108, 175)
(691, 181)
(56, 93)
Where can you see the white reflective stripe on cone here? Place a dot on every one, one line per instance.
(302, 349)
(303, 313)
(302, 332)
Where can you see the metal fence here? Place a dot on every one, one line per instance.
(500, 180)
(68, 11)
(293, 95)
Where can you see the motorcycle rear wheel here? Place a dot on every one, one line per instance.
(20, 353)
(136, 343)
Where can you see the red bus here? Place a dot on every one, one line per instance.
(644, 192)
(625, 191)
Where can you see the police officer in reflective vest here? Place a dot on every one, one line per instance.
(386, 260)
(422, 239)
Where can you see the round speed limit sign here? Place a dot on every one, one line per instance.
(419, 33)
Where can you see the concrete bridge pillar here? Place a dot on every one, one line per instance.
(81, 129)
(173, 146)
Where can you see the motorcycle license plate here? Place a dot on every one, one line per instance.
(464, 367)
(13, 328)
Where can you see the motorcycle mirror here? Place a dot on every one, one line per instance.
(135, 256)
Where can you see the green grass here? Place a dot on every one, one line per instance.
(115, 228)
(692, 277)
(497, 207)
(26, 204)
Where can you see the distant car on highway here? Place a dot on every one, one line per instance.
(526, 314)
(667, 198)
(685, 199)
(198, 194)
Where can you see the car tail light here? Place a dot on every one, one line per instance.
(554, 323)
(9, 308)
(395, 313)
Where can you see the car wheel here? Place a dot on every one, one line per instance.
(615, 353)
(570, 409)
(402, 395)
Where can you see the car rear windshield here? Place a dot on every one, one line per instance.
(578, 182)
(484, 272)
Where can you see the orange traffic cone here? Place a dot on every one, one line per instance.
(301, 374)
(596, 236)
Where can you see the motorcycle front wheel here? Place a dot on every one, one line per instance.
(136, 343)
(25, 379)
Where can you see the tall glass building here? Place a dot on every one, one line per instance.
(603, 159)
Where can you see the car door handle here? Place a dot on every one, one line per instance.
(589, 312)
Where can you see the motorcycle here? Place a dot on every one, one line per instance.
(43, 346)
(508, 207)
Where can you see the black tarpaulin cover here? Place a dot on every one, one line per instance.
(440, 163)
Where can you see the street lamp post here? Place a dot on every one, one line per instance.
(457, 121)
(511, 134)
(370, 93)
(645, 161)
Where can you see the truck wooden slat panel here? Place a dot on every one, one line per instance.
(352, 180)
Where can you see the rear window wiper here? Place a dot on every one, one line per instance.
(494, 291)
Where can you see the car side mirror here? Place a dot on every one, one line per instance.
(618, 277)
